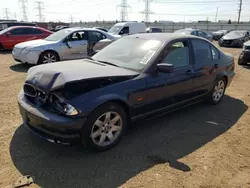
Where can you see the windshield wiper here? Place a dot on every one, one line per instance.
(106, 62)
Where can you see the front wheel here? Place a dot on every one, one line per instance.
(48, 57)
(218, 91)
(104, 127)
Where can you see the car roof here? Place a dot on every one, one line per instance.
(164, 37)
(81, 28)
(23, 26)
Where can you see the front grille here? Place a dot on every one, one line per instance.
(227, 41)
(30, 90)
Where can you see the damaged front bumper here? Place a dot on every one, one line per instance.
(47, 125)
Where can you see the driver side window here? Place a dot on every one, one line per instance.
(124, 30)
(178, 54)
(77, 36)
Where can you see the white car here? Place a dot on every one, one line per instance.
(66, 44)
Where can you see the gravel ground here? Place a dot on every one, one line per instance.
(200, 146)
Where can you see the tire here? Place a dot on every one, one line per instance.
(97, 130)
(217, 94)
(241, 61)
(1, 47)
(48, 57)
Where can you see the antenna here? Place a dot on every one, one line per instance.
(40, 8)
(24, 9)
(147, 10)
(124, 10)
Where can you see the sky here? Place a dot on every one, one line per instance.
(163, 10)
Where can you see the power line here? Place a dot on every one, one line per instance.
(124, 10)
(40, 8)
(6, 12)
(24, 9)
(239, 11)
(147, 10)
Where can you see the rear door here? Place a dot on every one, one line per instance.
(206, 64)
(165, 89)
(16, 36)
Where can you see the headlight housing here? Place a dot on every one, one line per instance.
(70, 110)
(59, 105)
(25, 51)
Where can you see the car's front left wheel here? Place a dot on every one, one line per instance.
(104, 127)
(48, 57)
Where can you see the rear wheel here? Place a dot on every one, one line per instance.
(48, 57)
(104, 127)
(218, 91)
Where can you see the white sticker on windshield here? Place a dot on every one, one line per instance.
(147, 57)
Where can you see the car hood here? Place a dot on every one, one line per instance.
(218, 33)
(231, 36)
(34, 43)
(53, 76)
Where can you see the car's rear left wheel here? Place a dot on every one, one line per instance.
(104, 127)
(218, 91)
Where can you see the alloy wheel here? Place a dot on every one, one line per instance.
(106, 129)
(219, 90)
(49, 58)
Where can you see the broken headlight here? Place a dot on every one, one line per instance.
(60, 105)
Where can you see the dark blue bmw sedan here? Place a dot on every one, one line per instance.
(137, 76)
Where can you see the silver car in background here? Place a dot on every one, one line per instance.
(66, 44)
(195, 32)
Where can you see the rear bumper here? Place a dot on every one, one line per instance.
(30, 57)
(47, 125)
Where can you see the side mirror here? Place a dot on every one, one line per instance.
(121, 32)
(8, 34)
(69, 44)
(165, 68)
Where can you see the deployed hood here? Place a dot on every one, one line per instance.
(34, 43)
(232, 36)
(53, 76)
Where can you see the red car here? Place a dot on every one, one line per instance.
(11, 36)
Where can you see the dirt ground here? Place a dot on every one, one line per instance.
(200, 146)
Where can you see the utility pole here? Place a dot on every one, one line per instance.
(239, 11)
(215, 20)
(71, 19)
(147, 10)
(24, 9)
(15, 17)
(6, 12)
(40, 8)
(124, 10)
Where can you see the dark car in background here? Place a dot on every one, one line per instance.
(235, 38)
(218, 34)
(4, 25)
(13, 35)
(153, 30)
(135, 77)
(244, 57)
(195, 32)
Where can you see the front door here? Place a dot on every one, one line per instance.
(74, 46)
(167, 89)
(206, 58)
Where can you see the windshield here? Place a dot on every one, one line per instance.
(4, 31)
(183, 31)
(115, 29)
(59, 35)
(238, 33)
(130, 53)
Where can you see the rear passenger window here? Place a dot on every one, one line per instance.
(178, 55)
(202, 51)
(215, 53)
